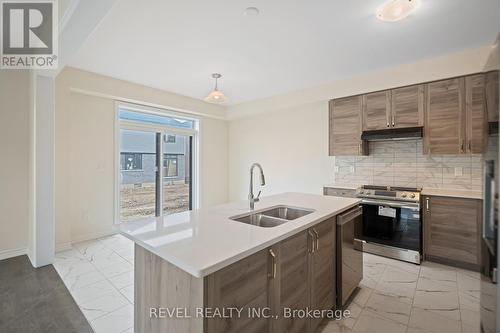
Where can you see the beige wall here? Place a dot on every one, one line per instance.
(288, 134)
(85, 106)
(14, 170)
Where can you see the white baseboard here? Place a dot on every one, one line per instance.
(6, 254)
(63, 247)
(92, 236)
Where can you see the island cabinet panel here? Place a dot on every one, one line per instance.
(290, 288)
(322, 269)
(242, 285)
(295, 274)
(407, 107)
(161, 285)
(452, 228)
(476, 115)
(376, 110)
(444, 131)
(492, 95)
(345, 127)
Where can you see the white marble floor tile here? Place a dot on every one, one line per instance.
(389, 307)
(122, 280)
(424, 321)
(83, 280)
(116, 269)
(404, 291)
(118, 321)
(128, 292)
(92, 291)
(97, 307)
(371, 322)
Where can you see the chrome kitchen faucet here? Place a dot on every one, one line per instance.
(251, 197)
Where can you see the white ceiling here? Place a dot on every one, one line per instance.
(292, 44)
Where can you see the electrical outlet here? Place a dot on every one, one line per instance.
(336, 169)
(351, 169)
(458, 172)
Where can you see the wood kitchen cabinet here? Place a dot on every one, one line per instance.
(444, 130)
(322, 268)
(452, 228)
(492, 93)
(376, 110)
(407, 106)
(296, 273)
(476, 118)
(345, 127)
(244, 284)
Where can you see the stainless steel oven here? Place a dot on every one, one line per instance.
(392, 223)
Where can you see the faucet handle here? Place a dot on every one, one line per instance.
(258, 196)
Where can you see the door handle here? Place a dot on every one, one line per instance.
(317, 239)
(470, 145)
(311, 237)
(274, 264)
(393, 122)
(427, 205)
(462, 146)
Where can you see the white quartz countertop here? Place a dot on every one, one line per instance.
(342, 186)
(203, 241)
(453, 193)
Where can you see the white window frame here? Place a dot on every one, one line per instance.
(164, 130)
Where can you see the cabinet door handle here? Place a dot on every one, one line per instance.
(311, 237)
(359, 148)
(274, 267)
(393, 122)
(427, 205)
(470, 145)
(317, 239)
(462, 146)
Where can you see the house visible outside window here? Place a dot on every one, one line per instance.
(131, 161)
(170, 139)
(171, 165)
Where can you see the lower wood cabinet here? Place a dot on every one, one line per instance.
(295, 274)
(452, 228)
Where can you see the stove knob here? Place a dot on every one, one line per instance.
(412, 195)
(403, 195)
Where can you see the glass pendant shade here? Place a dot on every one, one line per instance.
(216, 96)
(395, 10)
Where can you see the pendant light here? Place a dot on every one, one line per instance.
(395, 10)
(216, 96)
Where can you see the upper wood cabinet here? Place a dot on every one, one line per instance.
(452, 229)
(444, 130)
(492, 95)
(407, 107)
(376, 110)
(345, 127)
(476, 114)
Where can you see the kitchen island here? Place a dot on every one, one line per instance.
(201, 271)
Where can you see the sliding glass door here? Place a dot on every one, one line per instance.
(177, 175)
(139, 178)
(156, 166)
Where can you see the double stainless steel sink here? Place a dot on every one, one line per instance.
(272, 217)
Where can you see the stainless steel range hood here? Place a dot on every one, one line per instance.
(393, 134)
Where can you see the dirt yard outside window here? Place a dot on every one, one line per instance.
(138, 200)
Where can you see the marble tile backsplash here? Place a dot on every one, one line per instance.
(401, 163)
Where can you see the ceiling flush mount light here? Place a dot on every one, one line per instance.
(395, 10)
(251, 11)
(216, 96)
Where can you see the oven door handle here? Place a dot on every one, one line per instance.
(406, 205)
